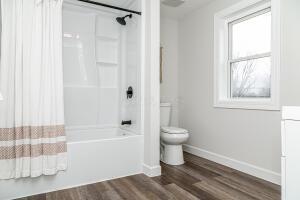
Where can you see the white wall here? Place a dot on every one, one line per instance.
(250, 137)
(169, 86)
(290, 67)
(150, 85)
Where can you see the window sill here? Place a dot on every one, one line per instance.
(248, 104)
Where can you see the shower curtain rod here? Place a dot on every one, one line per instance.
(110, 6)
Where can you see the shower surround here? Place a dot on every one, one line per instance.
(101, 59)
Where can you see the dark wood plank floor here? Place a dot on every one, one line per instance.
(198, 178)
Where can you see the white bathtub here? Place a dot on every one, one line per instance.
(80, 136)
(93, 156)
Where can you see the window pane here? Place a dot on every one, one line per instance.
(251, 78)
(252, 36)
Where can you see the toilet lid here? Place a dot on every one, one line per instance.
(173, 130)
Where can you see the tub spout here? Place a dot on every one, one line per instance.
(126, 122)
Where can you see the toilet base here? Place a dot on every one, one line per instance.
(172, 154)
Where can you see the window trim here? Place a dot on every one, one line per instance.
(240, 11)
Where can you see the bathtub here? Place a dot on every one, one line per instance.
(82, 136)
(93, 156)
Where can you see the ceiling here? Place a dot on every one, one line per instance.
(127, 4)
(117, 3)
(182, 10)
(166, 11)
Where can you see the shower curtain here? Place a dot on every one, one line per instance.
(32, 137)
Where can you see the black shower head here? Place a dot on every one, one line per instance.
(121, 20)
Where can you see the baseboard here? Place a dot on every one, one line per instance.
(247, 168)
(151, 171)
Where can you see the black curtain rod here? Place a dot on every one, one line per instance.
(110, 6)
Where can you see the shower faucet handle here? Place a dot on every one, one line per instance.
(129, 92)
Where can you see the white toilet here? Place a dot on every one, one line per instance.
(172, 138)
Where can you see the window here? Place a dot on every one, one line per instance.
(250, 56)
(247, 56)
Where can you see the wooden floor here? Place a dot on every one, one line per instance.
(198, 178)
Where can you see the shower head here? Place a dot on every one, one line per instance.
(121, 20)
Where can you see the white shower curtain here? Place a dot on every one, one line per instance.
(32, 137)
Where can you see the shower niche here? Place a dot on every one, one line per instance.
(101, 60)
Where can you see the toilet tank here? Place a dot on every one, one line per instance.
(165, 114)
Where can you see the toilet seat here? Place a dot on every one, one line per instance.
(173, 130)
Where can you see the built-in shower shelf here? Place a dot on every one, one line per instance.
(107, 38)
(108, 87)
(80, 86)
(107, 64)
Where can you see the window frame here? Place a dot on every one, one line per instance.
(222, 54)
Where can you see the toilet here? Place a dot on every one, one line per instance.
(172, 138)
